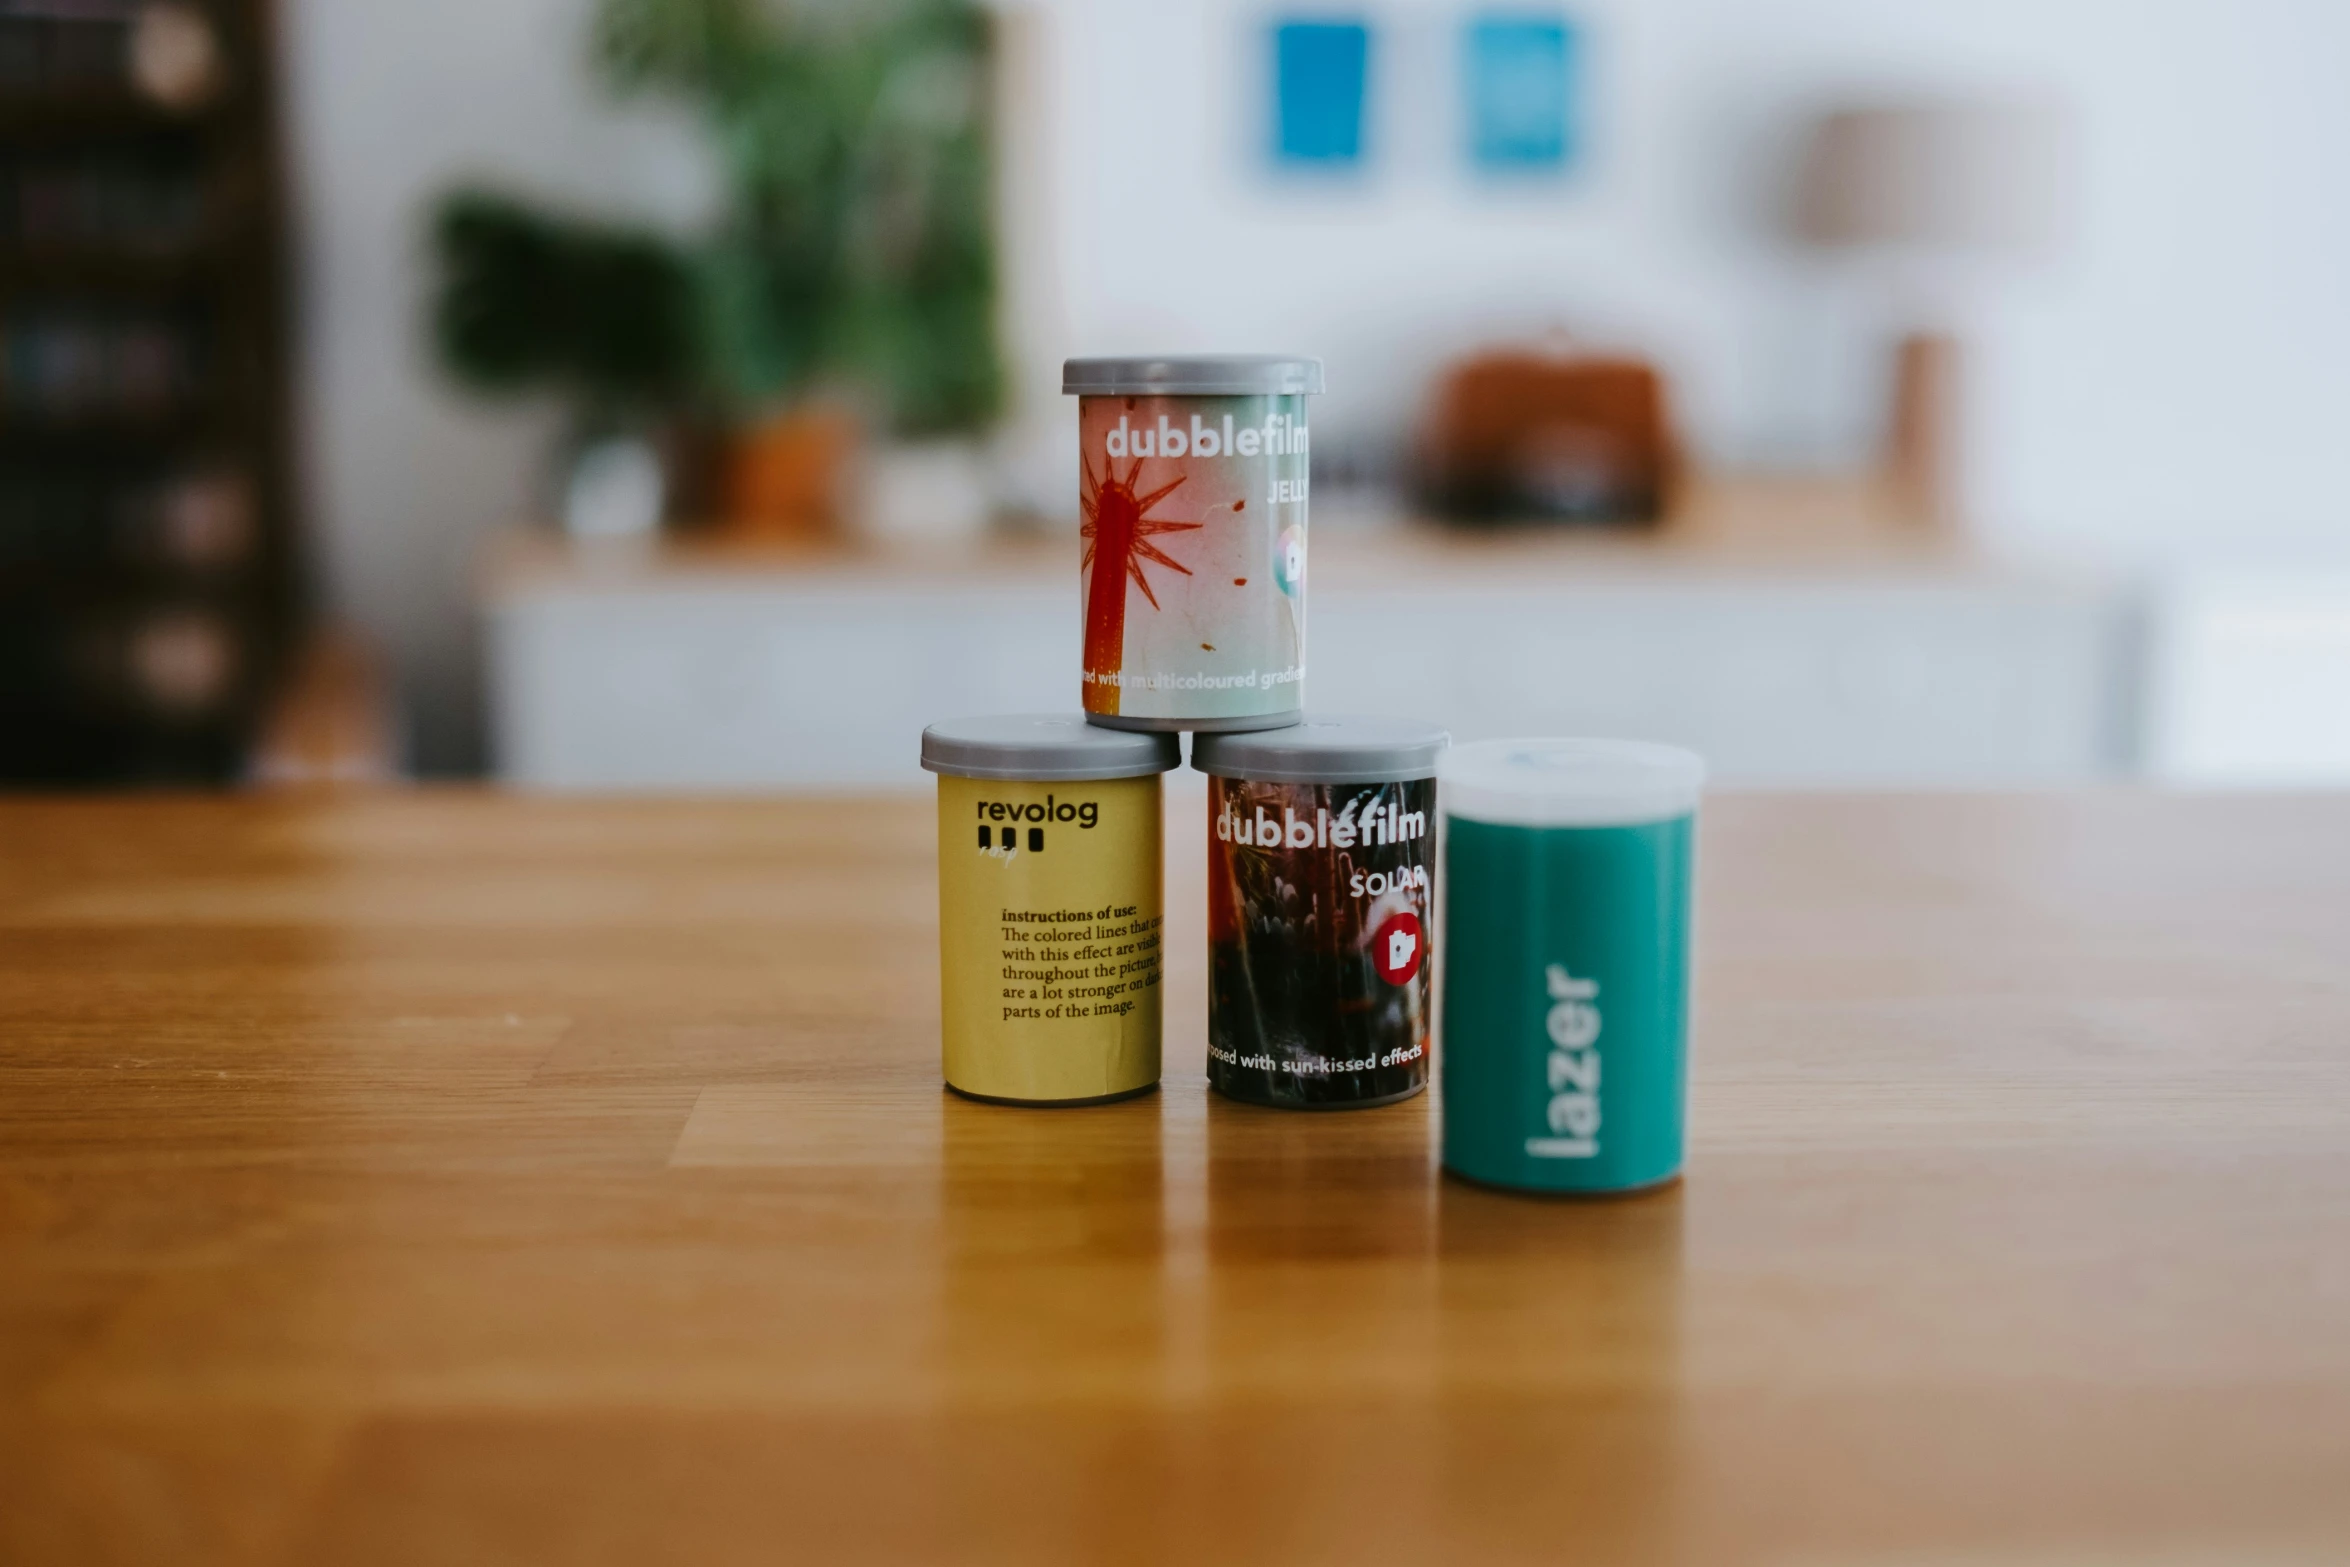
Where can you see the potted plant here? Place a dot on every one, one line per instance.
(852, 266)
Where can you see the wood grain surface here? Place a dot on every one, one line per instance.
(441, 1177)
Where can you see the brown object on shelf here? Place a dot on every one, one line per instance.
(332, 723)
(786, 476)
(423, 1176)
(1921, 448)
(1517, 434)
(174, 55)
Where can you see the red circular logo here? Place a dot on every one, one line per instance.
(1396, 947)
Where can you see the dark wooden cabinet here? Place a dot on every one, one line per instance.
(149, 582)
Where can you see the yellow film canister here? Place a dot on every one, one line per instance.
(1050, 925)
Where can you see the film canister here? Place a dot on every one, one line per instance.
(1567, 867)
(1321, 856)
(1192, 482)
(1049, 916)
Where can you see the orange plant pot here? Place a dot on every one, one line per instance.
(786, 476)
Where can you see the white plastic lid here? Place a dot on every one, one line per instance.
(1569, 783)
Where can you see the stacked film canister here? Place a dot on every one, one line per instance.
(1322, 838)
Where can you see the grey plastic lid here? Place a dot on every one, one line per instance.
(1192, 375)
(1044, 748)
(1337, 748)
(1571, 783)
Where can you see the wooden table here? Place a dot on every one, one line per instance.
(440, 1177)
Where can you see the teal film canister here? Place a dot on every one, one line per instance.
(1565, 961)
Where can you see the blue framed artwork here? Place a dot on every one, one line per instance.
(1519, 92)
(1321, 73)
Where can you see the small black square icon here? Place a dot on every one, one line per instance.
(1036, 840)
(1011, 837)
(986, 838)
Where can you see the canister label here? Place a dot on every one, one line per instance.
(1566, 997)
(1318, 921)
(1049, 937)
(1195, 555)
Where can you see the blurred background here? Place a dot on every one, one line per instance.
(665, 393)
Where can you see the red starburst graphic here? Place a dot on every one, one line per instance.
(1118, 529)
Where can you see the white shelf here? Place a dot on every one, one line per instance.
(694, 670)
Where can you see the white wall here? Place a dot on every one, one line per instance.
(2176, 380)
(2173, 387)
(389, 104)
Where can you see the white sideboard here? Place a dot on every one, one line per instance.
(685, 669)
(2249, 679)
